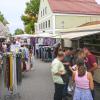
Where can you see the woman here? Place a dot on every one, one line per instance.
(83, 83)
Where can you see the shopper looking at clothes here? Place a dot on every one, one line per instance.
(80, 56)
(58, 70)
(56, 50)
(67, 62)
(90, 61)
(83, 83)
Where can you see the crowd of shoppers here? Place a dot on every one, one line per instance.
(16, 46)
(78, 67)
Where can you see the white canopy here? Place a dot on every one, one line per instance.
(79, 32)
(43, 35)
(76, 34)
(23, 36)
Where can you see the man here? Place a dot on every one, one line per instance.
(4, 47)
(37, 50)
(58, 70)
(90, 61)
(67, 62)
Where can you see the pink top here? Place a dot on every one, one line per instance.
(82, 82)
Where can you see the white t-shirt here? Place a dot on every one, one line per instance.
(56, 67)
(37, 46)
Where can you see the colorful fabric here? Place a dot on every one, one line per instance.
(14, 72)
(11, 71)
(18, 69)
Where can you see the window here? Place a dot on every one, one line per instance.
(46, 24)
(49, 23)
(45, 10)
(39, 26)
(43, 25)
(62, 23)
(41, 13)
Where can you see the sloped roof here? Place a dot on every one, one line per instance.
(90, 23)
(87, 7)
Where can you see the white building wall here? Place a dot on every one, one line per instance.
(44, 18)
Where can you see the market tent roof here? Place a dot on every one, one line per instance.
(23, 36)
(85, 28)
(77, 34)
(90, 23)
(43, 35)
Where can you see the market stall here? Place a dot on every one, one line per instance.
(84, 36)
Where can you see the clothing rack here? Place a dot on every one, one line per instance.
(46, 53)
(12, 75)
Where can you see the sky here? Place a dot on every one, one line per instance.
(12, 10)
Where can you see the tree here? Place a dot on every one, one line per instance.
(30, 16)
(2, 19)
(19, 31)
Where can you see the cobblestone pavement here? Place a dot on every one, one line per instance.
(38, 85)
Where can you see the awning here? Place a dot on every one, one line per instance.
(73, 35)
(2, 37)
(23, 36)
(43, 35)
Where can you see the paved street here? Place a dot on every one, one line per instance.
(38, 85)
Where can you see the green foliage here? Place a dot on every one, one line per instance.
(32, 7)
(1, 17)
(19, 31)
(30, 17)
(29, 28)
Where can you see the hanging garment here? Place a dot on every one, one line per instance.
(7, 72)
(4, 66)
(18, 69)
(11, 71)
(14, 72)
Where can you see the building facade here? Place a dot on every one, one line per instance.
(56, 16)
